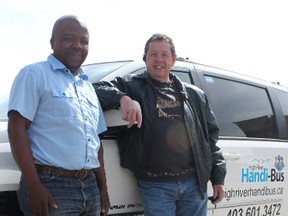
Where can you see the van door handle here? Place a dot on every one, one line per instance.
(231, 156)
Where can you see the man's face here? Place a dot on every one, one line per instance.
(159, 60)
(70, 44)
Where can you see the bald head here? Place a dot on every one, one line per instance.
(66, 18)
(69, 41)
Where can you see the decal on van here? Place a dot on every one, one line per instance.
(279, 162)
(262, 171)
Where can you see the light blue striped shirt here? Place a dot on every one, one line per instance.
(65, 113)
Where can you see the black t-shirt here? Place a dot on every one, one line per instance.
(170, 155)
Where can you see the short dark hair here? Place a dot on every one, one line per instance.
(159, 37)
(64, 19)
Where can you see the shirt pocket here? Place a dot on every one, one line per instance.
(64, 103)
(92, 102)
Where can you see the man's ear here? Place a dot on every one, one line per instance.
(174, 58)
(52, 43)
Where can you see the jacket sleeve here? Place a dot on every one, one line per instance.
(109, 93)
(218, 171)
(211, 132)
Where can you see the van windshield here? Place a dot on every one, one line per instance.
(97, 71)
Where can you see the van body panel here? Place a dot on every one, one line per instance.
(253, 120)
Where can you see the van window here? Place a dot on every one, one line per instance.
(183, 76)
(283, 99)
(242, 110)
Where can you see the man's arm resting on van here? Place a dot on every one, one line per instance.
(111, 97)
(38, 195)
(131, 111)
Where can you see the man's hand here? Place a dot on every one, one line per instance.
(105, 202)
(39, 199)
(218, 193)
(131, 111)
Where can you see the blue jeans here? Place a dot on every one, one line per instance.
(181, 198)
(73, 196)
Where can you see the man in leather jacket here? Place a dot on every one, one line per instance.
(172, 150)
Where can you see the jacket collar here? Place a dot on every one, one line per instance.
(145, 75)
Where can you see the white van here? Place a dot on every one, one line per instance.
(253, 120)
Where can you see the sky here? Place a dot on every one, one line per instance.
(244, 36)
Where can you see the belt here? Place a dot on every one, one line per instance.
(78, 174)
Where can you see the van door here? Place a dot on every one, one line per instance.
(256, 181)
(122, 187)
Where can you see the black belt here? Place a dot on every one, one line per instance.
(78, 174)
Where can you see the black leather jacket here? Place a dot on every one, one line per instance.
(198, 116)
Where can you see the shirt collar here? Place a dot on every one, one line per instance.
(57, 65)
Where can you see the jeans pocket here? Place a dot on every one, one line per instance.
(45, 177)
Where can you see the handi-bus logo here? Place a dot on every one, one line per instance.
(279, 162)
